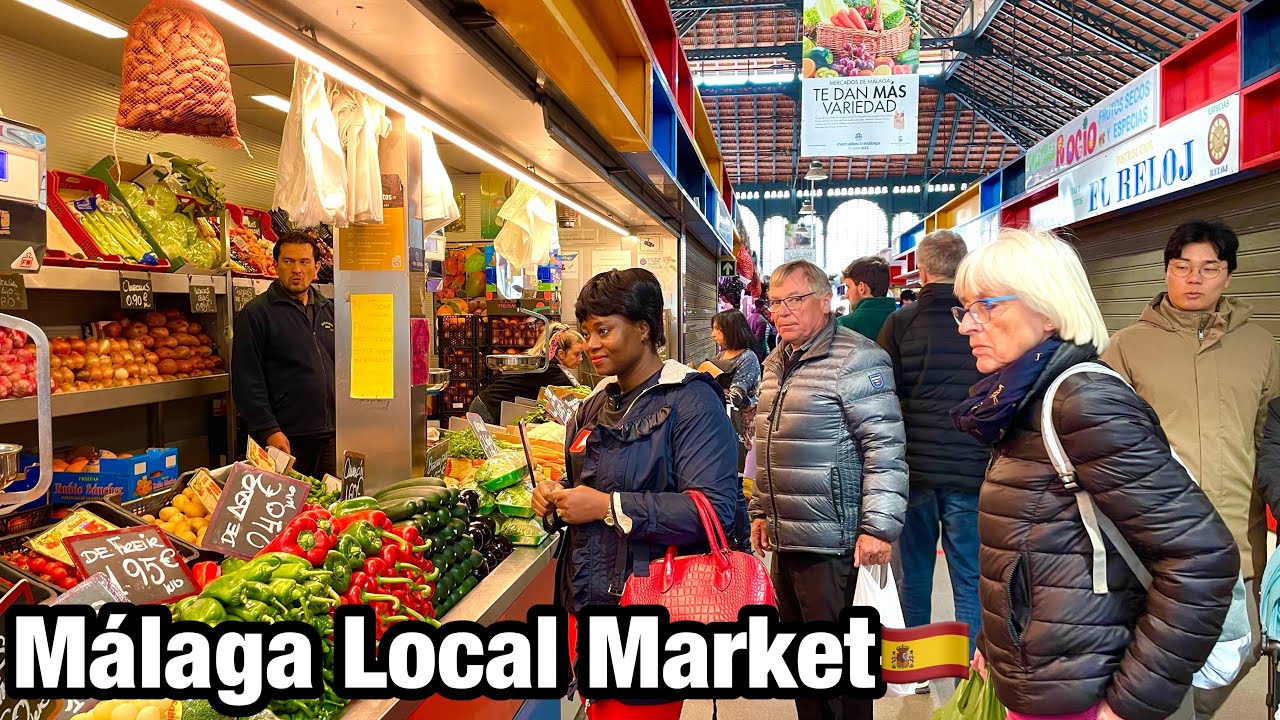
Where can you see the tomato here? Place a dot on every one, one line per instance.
(68, 582)
(46, 577)
(58, 572)
(37, 565)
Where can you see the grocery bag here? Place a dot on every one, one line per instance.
(974, 699)
(876, 589)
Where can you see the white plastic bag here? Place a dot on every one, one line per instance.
(877, 590)
(311, 176)
(362, 123)
(439, 207)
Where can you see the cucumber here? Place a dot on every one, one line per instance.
(436, 497)
(458, 527)
(412, 482)
(400, 509)
(460, 511)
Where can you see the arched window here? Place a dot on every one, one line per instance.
(774, 235)
(857, 228)
(751, 224)
(902, 222)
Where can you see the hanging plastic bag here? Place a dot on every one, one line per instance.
(311, 176)
(876, 590)
(174, 75)
(439, 207)
(974, 699)
(530, 230)
(362, 123)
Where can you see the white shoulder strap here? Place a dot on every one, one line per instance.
(1095, 523)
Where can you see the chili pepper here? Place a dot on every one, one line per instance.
(206, 572)
(253, 611)
(375, 517)
(390, 554)
(359, 596)
(205, 610)
(365, 533)
(340, 566)
(233, 564)
(228, 589)
(285, 591)
(261, 567)
(179, 607)
(299, 573)
(323, 625)
(348, 507)
(348, 545)
(318, 591)
(374, 566)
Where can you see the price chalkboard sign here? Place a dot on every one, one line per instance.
(437, 459)
(487, 443)
(242, 295)
(12, 708)
(352, 475)
(13, 292)
(253, 509)
(138, 559)
(560, 410)
(202, 299)
(135, 294)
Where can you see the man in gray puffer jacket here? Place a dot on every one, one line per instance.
(831, 490)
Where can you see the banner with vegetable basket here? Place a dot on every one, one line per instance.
(859, 89)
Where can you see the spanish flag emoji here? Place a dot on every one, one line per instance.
(924, 653)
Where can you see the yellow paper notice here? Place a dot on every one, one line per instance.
(372, 347)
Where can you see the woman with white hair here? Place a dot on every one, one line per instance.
(1068, 630)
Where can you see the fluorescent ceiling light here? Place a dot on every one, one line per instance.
(273, 101)
(81, 19)
(413, 114)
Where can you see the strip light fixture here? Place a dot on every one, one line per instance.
(275, 102)
(394, 101)
(69, 13)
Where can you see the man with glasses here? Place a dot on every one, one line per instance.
(831, 487)
(1209, 372)
(933, 370)
(282, 374)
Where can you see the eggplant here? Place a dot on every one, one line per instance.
(480, 532)
(471, 498)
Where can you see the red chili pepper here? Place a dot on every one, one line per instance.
(376, 517)
(390, 554)
(206, 572)
(374, 566)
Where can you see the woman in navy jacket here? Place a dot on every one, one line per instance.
(650, 432)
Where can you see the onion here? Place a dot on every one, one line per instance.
(132, 369)
(128, 356)
(59, 346)
(83, 375)
(75, 360)
(55, 362)
(121, 373)
(135, 347)
(117, 359)
(112, 329)
(78, 345)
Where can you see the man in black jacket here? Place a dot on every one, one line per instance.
(934, 369)
(282, 374)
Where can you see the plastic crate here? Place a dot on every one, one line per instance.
(59, 181)
(456, 399)
(514, 332)
(463, 363)
(263, 218)
(456, 331)
(41, 591)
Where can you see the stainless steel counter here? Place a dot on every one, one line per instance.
(490, 599)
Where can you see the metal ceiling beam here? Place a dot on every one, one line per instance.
(1039, 80)
(933, 136)
(1067, 11)
(955, 126)
(791, 90)
(1015, 131)
(689, 21)
(976, 28)
(784, 50)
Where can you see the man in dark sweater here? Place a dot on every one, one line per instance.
(866, 281)
(933, 370)
(282, 372)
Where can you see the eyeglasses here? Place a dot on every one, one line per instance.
(979, 309)
(793, 303)
(1183, 269)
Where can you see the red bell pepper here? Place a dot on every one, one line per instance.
(206, 572)
(322, 517)
(304, 538)
(376, 517)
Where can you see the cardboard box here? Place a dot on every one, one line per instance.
(130, 478)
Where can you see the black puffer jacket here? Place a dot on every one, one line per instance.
(933, 370)
(1052, 645)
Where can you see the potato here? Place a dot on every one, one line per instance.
(168, 513)
(180, 502)
(195, 510)
(125, 711)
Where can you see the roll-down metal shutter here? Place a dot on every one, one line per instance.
(1124, 256)
(699, 302)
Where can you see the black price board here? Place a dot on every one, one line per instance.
(202, 299)
(242, 295)
(135, 294)
(140, 560)
(560, 410)
(253, 509)
(437, 459)
(12, 708)
(352, 475)
(487, 443)
(13, 292)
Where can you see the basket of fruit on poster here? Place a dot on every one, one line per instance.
(847, 38)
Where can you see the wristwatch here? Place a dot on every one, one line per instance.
(608, 514)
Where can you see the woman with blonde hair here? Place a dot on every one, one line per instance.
(564, 353)
(1068, 629)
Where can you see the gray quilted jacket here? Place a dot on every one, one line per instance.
(831, 445)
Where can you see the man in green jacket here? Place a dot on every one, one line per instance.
(867, 284)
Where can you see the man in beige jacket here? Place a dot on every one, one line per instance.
(1209, 373)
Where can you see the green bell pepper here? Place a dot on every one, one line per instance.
(233, 565)
(205, 610)
(285, 591)
(348, 545)
(179, 607)
(346, 507)
(340, 565)
(228, 589)
(367, 534)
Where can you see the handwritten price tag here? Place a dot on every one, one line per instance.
(559, 409)
(139, 560)
(135, 294)
(202, 299)
(487, 443)
(253, 509)
(242, 295)
(352, 475)
(13, 292)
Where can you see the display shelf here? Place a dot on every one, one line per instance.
(991, 191)
(1013, 179)
(1203, 72)
(665, 127)
(911, 238)
(1018, 212)
(1259, 38)
(68, 278)
(961, 208)
(1259, 130)
(89, 401)
(664, 40)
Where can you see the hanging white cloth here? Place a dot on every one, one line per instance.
(530, 230)
(311, 175)
(439, 207)
(362, 123)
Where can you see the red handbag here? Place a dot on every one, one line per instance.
(703, 588)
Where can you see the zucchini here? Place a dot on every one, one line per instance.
(412, 482)
(400, 509)
(460, 511)
(436, 497)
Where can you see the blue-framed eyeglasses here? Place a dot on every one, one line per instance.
(979, 309)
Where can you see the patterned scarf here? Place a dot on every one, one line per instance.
(989, 410)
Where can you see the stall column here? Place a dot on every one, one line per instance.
(374, 410)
